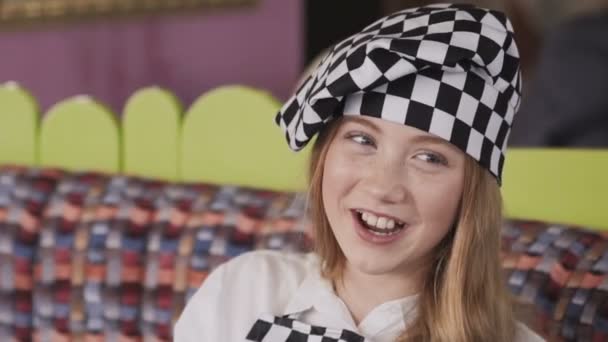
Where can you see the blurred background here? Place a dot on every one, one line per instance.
(109, 49)
(102, 255)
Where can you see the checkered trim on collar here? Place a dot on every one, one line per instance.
(451, 70)
(269, 328)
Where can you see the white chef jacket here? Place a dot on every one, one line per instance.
(241, 290)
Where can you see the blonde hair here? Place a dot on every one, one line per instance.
(463, 297)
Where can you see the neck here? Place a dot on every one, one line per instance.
(377, 289)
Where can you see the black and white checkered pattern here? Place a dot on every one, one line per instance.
(450, 70)
(271, 328)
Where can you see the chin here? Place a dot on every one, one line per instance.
(371, 265)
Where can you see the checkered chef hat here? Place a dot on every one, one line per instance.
(450, 70)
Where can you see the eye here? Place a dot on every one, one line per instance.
(432, 158)
(361, 138)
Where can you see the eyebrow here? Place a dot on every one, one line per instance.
(430, 139)
(366, 123)
(419, 139)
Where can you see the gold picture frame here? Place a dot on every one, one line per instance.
(18, 12)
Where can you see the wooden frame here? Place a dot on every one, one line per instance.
(16, 12)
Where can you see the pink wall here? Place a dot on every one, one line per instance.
(260, 46)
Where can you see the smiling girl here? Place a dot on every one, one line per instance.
(412, 116)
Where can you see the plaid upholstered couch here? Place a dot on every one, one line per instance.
(94, 257)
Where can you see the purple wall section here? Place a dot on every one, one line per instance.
(261, 46)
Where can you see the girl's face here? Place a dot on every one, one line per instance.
(391, 193)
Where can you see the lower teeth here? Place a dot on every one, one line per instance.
(384, 232)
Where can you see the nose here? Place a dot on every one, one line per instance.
(387, 183)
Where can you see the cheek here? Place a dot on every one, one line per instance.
(338, 178)
(438, 207)
(336, 171)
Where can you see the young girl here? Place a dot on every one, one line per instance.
(413, 115)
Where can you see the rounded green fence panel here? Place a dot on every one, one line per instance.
(80, 134)
(19, 118)
(557, 185)
(150, 134)
(229, 137)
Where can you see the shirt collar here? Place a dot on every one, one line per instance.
(311, 292)
(317, 292)
(390, 318)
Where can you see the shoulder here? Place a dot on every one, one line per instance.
(261, 264)
(525, 334)
(267, 268)
(253, 274)
(238, 291)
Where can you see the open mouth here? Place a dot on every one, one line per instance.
(378, 225)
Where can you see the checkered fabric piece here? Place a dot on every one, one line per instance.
(269, 328)
(450, 70)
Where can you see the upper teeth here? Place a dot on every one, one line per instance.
(378, 221)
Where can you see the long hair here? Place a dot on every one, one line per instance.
(463, 298)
